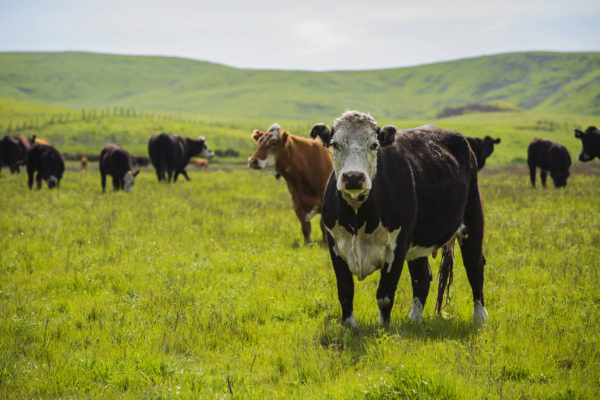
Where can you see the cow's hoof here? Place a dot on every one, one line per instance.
(480, 314)
(416, 311)
(350, 322)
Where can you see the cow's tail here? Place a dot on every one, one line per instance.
(445, 275)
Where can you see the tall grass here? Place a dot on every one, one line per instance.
(204, 289)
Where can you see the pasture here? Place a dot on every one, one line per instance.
(203, 289)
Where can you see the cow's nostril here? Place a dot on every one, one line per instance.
(353, 180)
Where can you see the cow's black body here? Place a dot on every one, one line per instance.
(47, 162)
(13, 151)
(548, 156)
(171, 153)
(426, 186)
(140, 161)
(482, 148)
(590, 140)
(116, 162)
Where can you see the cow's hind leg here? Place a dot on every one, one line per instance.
(532, 175)
(472, 253)
(103, 180)
(420, 278)
(38, 180)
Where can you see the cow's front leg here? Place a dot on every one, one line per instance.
(420, 278)
(390, 274)
(345, 286)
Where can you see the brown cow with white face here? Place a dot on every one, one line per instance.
(303, 163)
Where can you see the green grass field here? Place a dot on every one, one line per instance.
(203, 289)
(85, 132)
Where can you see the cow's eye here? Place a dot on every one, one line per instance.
(374, 146)
(335, 145)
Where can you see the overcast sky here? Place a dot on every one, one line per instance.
(306, 34)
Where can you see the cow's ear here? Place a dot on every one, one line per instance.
(578, 134)
(323, 132)
(283, 136)
(136, 173)
(386, 135)
(257, 135)
(32, 140)
(496, 141)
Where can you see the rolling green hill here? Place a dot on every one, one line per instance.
(562, 83)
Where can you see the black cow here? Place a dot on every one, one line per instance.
(141, 161)
(590, 139)
(396, 197)
(551, 157)
(482, 148)
(47, 162)
(116, 162)
(13, 151)
(171, 153)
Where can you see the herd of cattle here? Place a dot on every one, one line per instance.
(385, 195)
(169, 155)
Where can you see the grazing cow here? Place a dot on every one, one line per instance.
(482, 148)
(13, 151)
(140, 161)
(548, 156)
(47, 162)
(171, 153)
(303, 163)
(84, 162)
(396, 197)
(116, 162)
(201, 163)
(590, 139)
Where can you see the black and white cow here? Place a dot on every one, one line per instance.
(590, 140)
(396, 197)
(116, 162)
(46, 163)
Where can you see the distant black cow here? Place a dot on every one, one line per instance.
(171, 153)
(116, 162)
(13, 151)
(140, 161)
(396, 197)
(551, 157)
(47, 162)
(482, 148)
(590, 139)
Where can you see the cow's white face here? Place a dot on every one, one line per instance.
(355, 145)
(206, 152)
(270, 143)
(128, 181)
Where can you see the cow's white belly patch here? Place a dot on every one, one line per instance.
(415, 252)
(364, 252)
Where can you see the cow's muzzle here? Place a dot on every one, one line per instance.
(353, 180)
(255, 163)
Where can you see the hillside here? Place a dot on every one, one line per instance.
(542, 82)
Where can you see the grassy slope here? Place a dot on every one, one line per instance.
(76, 135)
(202, 289)
(545, 82)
